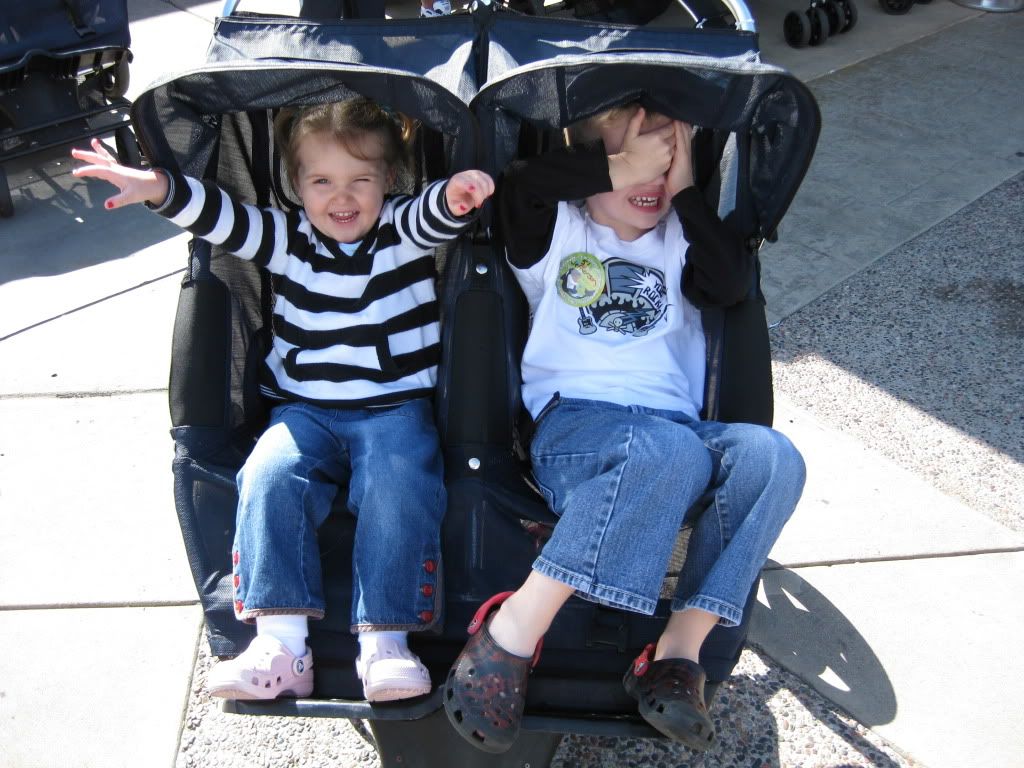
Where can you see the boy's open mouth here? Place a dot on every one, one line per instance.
(344, 217)
(645, 201)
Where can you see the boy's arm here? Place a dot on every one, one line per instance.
(530, 190)
(719, 267)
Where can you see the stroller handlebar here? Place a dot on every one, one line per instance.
(738, 8)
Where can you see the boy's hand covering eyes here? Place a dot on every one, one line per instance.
(468, 190)
(643, 157)
(136, 186)
(680, 172)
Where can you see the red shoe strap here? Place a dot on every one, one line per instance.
(486, 609)
(643, 661)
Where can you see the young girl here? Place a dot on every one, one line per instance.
(352, 368)
(613, 375)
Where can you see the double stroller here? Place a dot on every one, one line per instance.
(486, 87)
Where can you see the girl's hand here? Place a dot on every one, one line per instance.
(136, 186)
(680, 173)
(643, 157)
(468, 190)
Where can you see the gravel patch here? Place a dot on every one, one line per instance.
(766, 718)
(920, 356)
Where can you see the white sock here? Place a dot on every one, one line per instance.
(289, 629)
(368, 641)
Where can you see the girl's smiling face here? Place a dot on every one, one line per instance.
(341, 191)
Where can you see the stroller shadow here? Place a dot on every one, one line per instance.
(808, 681)
(60, 224)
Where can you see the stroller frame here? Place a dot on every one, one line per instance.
(486, 87)
(65, 80)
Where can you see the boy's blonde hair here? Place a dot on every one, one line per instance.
(348, 122)
(589, 129)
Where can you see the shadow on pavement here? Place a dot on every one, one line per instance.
(803, 646)
(60, 224)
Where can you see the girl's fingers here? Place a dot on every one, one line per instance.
(102, 151)
(117, 201)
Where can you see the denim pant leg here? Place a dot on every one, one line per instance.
(398, 496)
(757, 480)
(621, 480)
(285, 492)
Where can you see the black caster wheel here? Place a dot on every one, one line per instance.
(896, 7)
(797, 29)
(127, 147)
(849, 9)
(836, 17)
(116, 79)
(819, 25)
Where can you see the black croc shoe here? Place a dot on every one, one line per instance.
(485, 692)
(670, 696)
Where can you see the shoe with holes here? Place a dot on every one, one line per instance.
(392, 672)
(265, 670)
(670, 694)
(485, 692)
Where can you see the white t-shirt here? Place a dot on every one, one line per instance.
(639, 343)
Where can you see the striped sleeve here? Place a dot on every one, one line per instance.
(426, 220)
(208, 212)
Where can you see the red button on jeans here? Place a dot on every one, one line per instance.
(426, 616)
(429, 566)
(427, 590)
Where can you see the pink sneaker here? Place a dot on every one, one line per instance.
(266, 670)
(393, 672)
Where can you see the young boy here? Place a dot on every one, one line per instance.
(613, 375)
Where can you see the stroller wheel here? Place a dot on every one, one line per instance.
(836, 16)
(849, 8)
(797, 29)
(819, 25)
(116, 80)
(896, 7)
(127, 147)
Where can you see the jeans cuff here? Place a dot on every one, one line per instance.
(249, 614)
(729, 615)
(597, 593)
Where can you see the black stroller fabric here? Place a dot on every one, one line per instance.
(485, 87)
(60, 28)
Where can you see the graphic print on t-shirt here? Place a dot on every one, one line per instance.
(634, 300)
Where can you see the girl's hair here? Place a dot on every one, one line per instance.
(348, 122)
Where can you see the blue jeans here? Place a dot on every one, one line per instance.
(622, 479)
(389, 460)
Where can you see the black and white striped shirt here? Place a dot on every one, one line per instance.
(349, 331)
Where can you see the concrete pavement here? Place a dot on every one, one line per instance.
(887, 623)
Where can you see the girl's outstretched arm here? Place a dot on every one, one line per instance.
(468, 190)
(135, 185)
